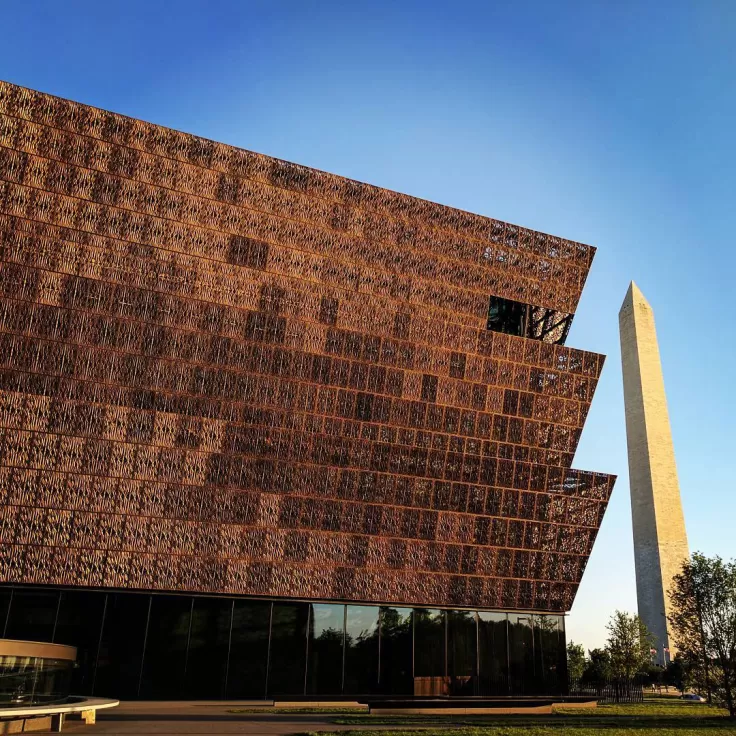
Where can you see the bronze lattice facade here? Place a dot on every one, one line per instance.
(225, 373)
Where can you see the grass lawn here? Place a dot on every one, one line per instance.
(654, 717)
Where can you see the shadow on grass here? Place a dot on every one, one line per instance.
(661, 716)
(651, 718)
(526, 727)
(469, 723)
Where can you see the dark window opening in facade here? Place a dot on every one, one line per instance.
(525, 320)
(507, 316)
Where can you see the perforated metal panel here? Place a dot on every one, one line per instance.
(224, 372)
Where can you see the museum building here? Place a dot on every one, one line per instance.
(266, 431)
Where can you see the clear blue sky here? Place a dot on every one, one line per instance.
(611, 123)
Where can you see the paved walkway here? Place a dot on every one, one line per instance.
(198, 718)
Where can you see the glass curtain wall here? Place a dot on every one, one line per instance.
(32, 614)
(120, 653)
(207, 659)
(430, 646)
(287, 663)
(248, 662)
(493, 654)
(397, 651)
(138, 645)
(5, 595)
(165, 653)
(462, 652)
(79, 624)
(522, 662)
(361, 650)
(325, 649)
(549, 646)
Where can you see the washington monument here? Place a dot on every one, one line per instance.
(660, 540)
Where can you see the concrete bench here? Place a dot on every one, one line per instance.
(44, 717)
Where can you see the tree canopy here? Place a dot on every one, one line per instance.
(575, 660)
(629, 645)
(703, 625)
(598, 667)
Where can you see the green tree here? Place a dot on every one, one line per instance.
(677, 673)
(575, 660)
(598, 667)
(629, 645)
(703, 624)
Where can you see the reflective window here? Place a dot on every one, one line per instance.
(5, 595)
(79, 624)
(361, 649)
(549, 648)
(492, 653)
(121, 646)
(396, 651)
(462, 649)
(164, 658)
(288, 653)
(209, 639)
(325, 649)
(32, 614)
(429, 652)
(134, 645)
(246, 676)
(522, 672)
(429, 642)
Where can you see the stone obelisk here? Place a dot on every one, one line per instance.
(660, 540)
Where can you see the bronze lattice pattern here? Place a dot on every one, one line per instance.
(223, 372)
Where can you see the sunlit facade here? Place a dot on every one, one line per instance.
(269, 431)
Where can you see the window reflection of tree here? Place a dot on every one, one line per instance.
(429, 642)
(462, 646)
(493, 653)
(361, 649)
(325, 649)
(547, 643)
(521, 654)
(396, 651)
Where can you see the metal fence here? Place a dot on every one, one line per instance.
(616, 690)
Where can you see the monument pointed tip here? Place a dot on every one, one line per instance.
(633, 296)
(634, 289)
